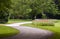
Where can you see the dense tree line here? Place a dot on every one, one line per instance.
(35, 9)
(29, 9)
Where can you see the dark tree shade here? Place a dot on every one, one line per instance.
(5, 5)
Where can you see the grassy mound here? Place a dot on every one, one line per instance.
(7, 31)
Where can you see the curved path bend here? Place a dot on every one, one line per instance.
(29, 32)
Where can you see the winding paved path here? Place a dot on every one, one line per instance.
(18, 24)
(29, 32)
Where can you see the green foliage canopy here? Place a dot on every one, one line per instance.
(33, 7)
(5, 5)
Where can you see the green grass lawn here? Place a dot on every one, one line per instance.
(18, 20)
(6, 31)
(55, 29)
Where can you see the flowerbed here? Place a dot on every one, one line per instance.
(44, 22)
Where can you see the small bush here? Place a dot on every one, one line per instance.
(43, 23)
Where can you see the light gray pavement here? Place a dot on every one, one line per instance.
(18, 24)
(30, 33)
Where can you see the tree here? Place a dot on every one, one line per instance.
(31, 8)
(43, 7)
(22, 10)
(4, 10)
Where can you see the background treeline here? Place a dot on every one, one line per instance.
(31, 9)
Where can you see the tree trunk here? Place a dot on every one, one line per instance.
(44, 16)
(35, 17)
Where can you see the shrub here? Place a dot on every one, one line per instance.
(44, 22)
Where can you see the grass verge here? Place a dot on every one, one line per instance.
(6, 31)
(17, 20)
